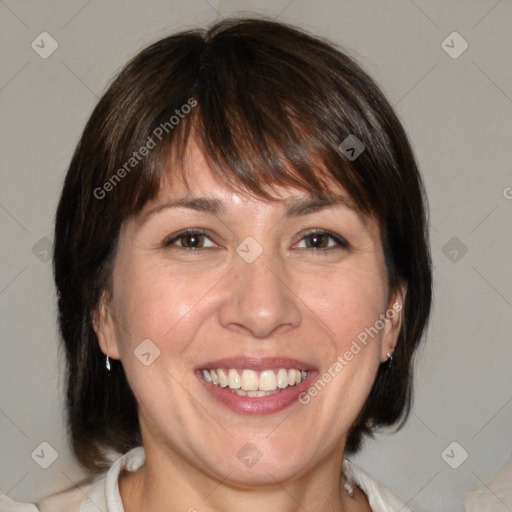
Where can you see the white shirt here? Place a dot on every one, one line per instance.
(103, 494)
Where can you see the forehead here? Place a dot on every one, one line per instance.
(192, 176)
(197, 188)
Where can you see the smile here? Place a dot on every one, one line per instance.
(256, 385)
(252, 383)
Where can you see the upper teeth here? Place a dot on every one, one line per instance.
(250, 380)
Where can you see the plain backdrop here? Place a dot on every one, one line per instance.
(457, 110)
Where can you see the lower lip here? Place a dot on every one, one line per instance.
(259, 405)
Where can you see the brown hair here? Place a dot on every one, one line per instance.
(267, 103)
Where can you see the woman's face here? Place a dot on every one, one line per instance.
(257, 290)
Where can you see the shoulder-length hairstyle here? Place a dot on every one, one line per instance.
(269, 105)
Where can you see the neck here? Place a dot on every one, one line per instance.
(168, 482)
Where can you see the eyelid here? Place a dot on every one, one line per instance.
(170, 240)
(342, 243)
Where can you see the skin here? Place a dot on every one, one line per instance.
(204, 304)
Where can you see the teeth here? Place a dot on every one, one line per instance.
(268, 380)
(249, 383)
(249, 380)
(282, 378)
(223, 378)
(233, 379)
(253, 394)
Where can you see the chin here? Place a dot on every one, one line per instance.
(260, 463)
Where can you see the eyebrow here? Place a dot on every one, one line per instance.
(216, 207)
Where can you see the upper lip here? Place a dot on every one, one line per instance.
(256, 363)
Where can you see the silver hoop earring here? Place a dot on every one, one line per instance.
(389, 359)
(107, 364)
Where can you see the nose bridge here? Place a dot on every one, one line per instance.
(258, 298)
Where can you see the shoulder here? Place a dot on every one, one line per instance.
(90, 496)
(9, 505)
(495, 489)
(66, 501)
(380, 498)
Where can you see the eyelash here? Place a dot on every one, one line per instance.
(340, 241)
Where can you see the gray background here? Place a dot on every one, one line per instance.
(458, 113)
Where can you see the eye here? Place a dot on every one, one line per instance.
(189, 239)
(322, 239)
(193, 239)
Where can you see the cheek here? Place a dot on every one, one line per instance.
(348, 301)
(165, 305)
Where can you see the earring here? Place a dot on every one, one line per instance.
(390, 358)
(107, 364)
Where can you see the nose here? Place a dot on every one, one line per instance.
(259, 298)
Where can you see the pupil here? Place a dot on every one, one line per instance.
(192, 240)
(316, 240)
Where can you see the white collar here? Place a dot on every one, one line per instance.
(104, 493)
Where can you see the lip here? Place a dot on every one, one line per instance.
(256, 363)
(262, 405)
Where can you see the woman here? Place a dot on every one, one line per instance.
(243, 276)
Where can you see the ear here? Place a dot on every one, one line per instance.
(104, 327)
(393, 321)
